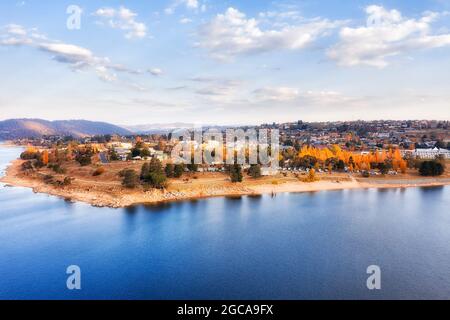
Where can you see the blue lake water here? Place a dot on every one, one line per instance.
(292, 246)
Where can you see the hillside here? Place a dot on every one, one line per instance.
(21, 128)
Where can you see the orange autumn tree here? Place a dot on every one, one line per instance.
(354, 161)
(31, 149)
(45, 157)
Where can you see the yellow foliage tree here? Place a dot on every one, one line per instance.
(45, 157)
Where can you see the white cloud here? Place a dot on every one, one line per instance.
(218, 90)
(232, 33)
(276, 94)
(294, 95)
(155, 71)
(70, 51)
(122, 19)
(387, 34)
(15, 29)
(185, 20)
(78, 58)
(192, 5)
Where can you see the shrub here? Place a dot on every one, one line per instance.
(27, 166)
(99, 171)
(67, 181)
(193, 167)
(48, 178)
(255, 171)
(28, 155)
(311, 177)
(83, 159)
(57, 168)
(178, 170)
(38, 163)
(169, 170)
(122, 173)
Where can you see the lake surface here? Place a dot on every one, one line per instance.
(292, 246)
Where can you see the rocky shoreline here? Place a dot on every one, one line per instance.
(118, 197)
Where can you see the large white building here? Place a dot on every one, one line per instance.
(430, 153)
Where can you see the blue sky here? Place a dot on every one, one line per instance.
(225, 62)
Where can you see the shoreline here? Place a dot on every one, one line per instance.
(114, 196)
(9, 144)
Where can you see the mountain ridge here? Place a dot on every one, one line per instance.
(35, 127)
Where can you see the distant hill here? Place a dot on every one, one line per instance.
(158, 127)
(22, 128)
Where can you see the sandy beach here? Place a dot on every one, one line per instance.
(112, 194)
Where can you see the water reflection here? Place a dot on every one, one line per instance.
(432, 189)
(233, 198)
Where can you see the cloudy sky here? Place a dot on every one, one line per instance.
(224, 62)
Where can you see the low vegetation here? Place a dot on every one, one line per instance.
(99, 171)
(311, 176)
(255, 171)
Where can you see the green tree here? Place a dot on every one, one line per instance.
(169, 170)
(255, 171)
(431, 168)
(178, 170)
(113, 155)
(305, 162)
(193, 167)
(84, 158)
(145, 170)
(130, 179)
(156, 166)
(383, 167)
(236, 173)
(145, 153)
(135, 152)
(340, 165)
(152, 174)
(139, 145)
(157, 180)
